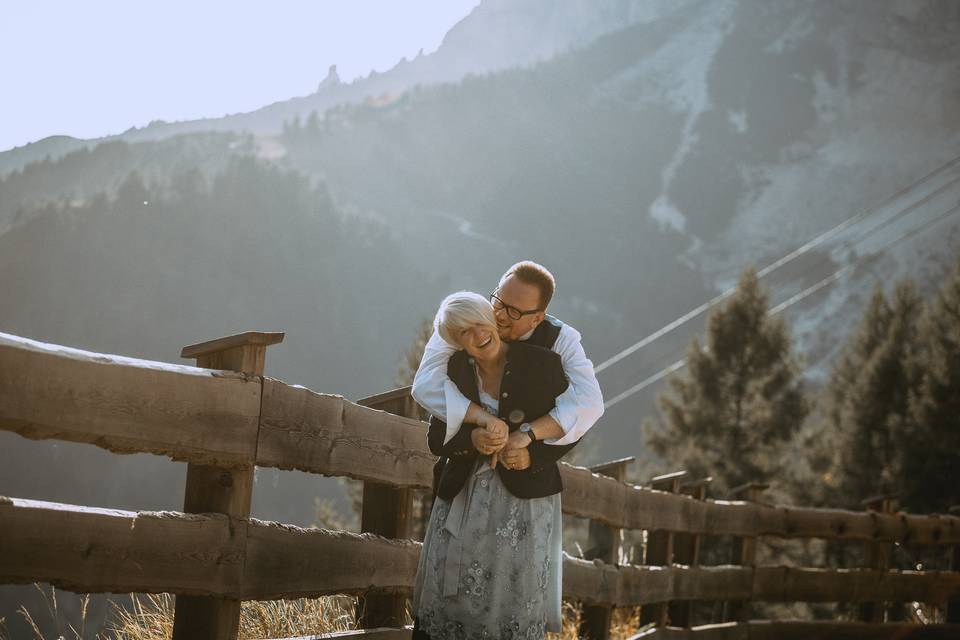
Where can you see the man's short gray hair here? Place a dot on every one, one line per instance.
(459, 311)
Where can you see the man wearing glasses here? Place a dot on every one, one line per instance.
(520, 302)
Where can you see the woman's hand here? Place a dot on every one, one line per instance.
(491, 437)
(515, 459)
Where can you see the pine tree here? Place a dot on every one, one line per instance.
(739, 401)
(868, 398)
(930, 441)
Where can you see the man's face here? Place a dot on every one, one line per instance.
(522, 296)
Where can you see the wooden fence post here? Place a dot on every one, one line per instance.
(218, 490)
(686, 550)
(744, 550)
(878, 556)
(387, 511)
(604, 543)
(953, 606)
(659, 551)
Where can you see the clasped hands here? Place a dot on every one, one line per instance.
(493, 438)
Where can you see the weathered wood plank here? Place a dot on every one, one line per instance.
(91, 550)
(801, 630)
(589, 495)
(791, 584)
(284, 561)
(308, 431)
(599, 583)
(97, 550)
(126, 405)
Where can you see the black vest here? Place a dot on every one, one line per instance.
(544, 335)
(533, 377)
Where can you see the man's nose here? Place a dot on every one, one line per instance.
(501, 313)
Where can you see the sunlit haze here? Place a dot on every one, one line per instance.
(97, 68)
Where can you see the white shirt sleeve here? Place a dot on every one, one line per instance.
(434, 391)
(581, 405)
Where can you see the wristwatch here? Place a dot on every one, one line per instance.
(527, 428)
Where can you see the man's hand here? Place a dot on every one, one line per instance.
(517, 440)
(515, 459)
(490, 439)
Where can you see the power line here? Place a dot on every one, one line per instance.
(823, 237)
(676, 366)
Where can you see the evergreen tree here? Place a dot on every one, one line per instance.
(868, 398)
(740, 399)
(930, 441)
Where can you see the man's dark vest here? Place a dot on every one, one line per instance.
(545, 335)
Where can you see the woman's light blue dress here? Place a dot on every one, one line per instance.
(491, 563)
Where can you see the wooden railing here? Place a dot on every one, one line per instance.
(214, 555)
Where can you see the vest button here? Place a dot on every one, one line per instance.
(504, 394)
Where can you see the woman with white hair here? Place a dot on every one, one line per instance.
(490, 566)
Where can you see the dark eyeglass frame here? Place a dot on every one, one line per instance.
(512, 312)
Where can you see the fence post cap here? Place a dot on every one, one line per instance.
(606, 466)
(669, 476)
(386, 396)
(245, 339)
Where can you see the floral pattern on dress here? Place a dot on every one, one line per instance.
(504, 567)
(515, 529)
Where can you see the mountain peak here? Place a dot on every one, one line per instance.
(332, 79)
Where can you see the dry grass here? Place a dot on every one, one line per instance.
(53, 610)
(150, 617)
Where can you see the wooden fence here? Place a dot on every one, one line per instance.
(224, 417)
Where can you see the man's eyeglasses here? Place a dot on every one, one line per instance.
(512, 312)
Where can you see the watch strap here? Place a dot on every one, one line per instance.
(529, 431)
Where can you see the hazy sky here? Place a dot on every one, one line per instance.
(93, 68)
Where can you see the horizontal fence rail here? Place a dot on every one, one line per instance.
(106, 550)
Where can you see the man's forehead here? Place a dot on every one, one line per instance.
(518, 290)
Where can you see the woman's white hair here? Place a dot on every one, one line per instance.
(459, 311)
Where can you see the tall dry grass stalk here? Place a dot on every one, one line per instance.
(53, 610)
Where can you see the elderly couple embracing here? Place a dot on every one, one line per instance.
(511, 391)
